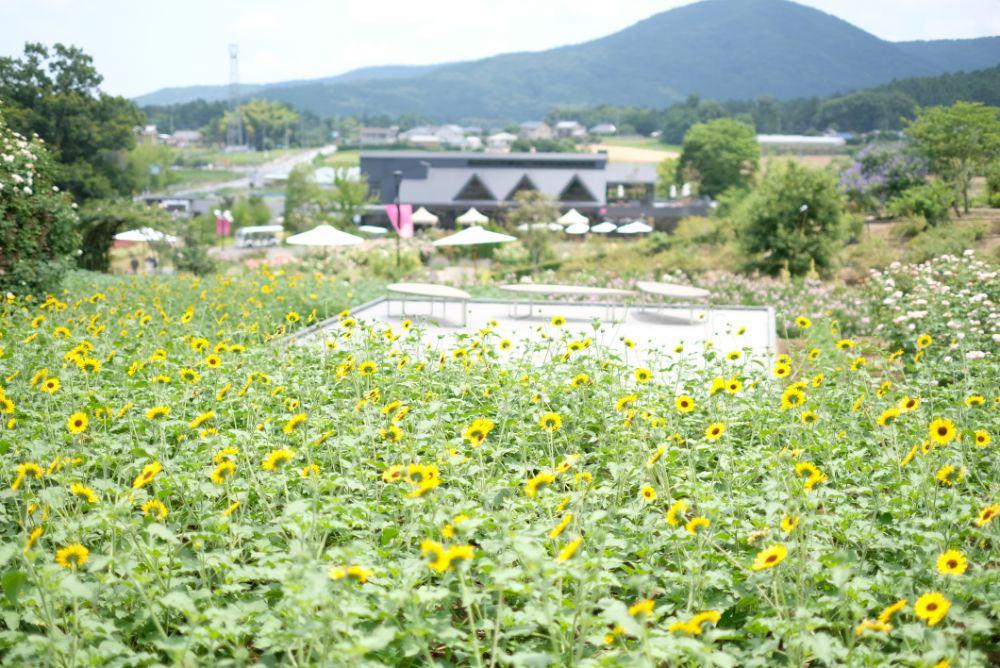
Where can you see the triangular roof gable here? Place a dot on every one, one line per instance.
(525, 183)
(575, 191)
(474, 190)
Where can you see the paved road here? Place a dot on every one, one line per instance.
(257, 174)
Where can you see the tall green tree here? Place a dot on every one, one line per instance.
(268, 124)
(55, 94)
(793, 220)
(724, 152)
(533, 208)
(302, 198)
(958, 142)
(348, 199)
(37, 222)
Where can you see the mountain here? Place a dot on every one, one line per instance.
(719, 49)
(182, 94)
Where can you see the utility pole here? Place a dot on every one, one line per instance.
(234, 132)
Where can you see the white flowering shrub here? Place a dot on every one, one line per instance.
(37, 222)
(952, 299)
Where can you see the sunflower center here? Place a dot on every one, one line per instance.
(771, 559)
(931, 607)
(942, 431)
(952, 563)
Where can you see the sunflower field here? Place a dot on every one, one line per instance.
(186, 483)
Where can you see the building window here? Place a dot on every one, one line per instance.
(474, 190)
(575, 191)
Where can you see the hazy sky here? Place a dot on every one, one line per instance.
(140, 46)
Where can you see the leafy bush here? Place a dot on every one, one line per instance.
(931, 201)
(37, 223)
(949, 240)
(793, 221)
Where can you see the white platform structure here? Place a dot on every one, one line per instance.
(656, 333)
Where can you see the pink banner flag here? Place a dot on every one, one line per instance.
(405, 231)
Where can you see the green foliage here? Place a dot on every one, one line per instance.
(302, 195)
(249, 211)
(930, 201)
(666, 176)
(793, 221)
(993, 183)
(724, 153)
(191, 254)
(957, 142)
(192, 115)
(307, 203)
(101, 220)
(55, 94)
(947, 240)
(149, 167)
(37, 223)
(533, 208)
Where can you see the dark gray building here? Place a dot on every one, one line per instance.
(448, 183)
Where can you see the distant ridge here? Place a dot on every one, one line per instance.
(719, 49)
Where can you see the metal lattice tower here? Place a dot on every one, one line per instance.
(234, 131)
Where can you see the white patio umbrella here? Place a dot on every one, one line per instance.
(578, 228)
(324, 235)
(474, 236)
(572, 217)
(636, 227)
(372, 229)
(424, 217)
(145, 234)
(471, 217)
(604, 228)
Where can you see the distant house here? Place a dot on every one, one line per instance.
(378, 136)
(451, 135)
(604, 129)
(535, 130)
(570, 130)
(148, 135)
(182, 138)
(500, 141)
(800, 144)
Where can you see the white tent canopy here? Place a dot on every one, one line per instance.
(424, 217)
(572, 217)
(372, 229)
(145, 234)
(474, 236)
(578, 228)
(472, 217)
(636, 227)
(604, 228)
(324, 235)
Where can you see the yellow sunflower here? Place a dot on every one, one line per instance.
(769, 557)
(952, 562)
(931, 607)
(276, 458)
(715, 431)
(77, 423)
(941, 431)
(684, 404)
(72, 556)
(550, 422)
